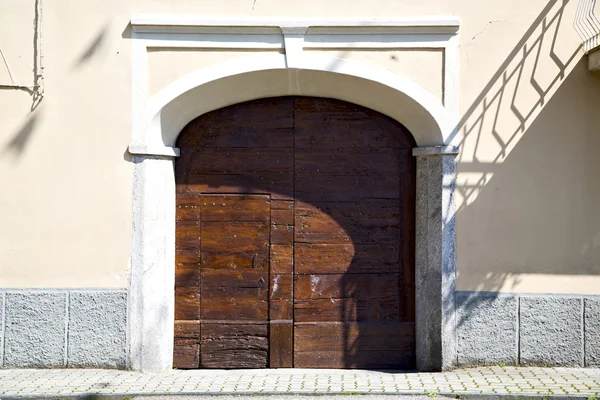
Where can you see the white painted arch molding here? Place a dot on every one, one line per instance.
(158, 119)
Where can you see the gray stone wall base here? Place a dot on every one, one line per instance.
(551, 331)
(35, 330)
(487, 328)
(97, 330)
(591, 324)
(60, 328)
(526, 329)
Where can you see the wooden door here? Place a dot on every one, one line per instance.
(295, 238)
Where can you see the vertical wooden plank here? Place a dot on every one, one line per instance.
(281, 293)
(281, 336)
(408, 186)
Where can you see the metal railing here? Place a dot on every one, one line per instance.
(587, 24)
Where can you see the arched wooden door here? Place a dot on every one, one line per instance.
(295, 238)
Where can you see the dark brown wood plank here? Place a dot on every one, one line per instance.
(281, 310)
(281, 344)
(258, 259)
(234, 294)
(187, 235)
(235, 208)
(234, 346)
(187, 329)
(187, 206)
(234, 237)
(238, 135)
(281, 287)
(407, 232)
(316, 336)
(339, 286)
(332, 124)
(282, 259)
(279, 186)
(242, 161)
(346, 188)
(333, 223)
(282, 217)
(186, 274)
(347, 345)
(282, 235)
(351, 161)
(277, 204)
(187, 303)
(347, 309)
(359, 359)
(186, 355)
(309, 258)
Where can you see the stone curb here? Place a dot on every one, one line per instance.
(299, 396)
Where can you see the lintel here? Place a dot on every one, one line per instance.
(154, 23)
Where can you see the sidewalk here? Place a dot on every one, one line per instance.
(65, 383)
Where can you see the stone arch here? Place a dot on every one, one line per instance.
(266, 75)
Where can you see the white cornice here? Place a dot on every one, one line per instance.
(152, 23)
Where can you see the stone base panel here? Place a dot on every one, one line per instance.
(63, 328)
(518, 329)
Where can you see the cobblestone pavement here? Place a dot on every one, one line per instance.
(485, 380)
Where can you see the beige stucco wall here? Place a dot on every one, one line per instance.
(528, 179)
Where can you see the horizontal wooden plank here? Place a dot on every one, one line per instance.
(235, 208)
(333, 126)
(187, 303)
(339, 223)
(234, 278)
(186, 274)
(279, 186)
(186, 356)
(346, 188)
(188, 213)
(272, 134)
(228, 308)
(234, 346)
(234, 237)
(187, 235)
(187, 329)
(354, 336)
(404, 360)
(282, 217)
(348, 309)
(282, 234)
(312, 258)
(240, 294)
(282, 259)
(350, 161)
(282, 204)
(251, 161)
(257, 259)
(345, 286)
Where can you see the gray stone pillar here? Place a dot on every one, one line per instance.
(151, 299)
(435, 269)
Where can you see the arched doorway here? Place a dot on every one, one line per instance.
(295, 238)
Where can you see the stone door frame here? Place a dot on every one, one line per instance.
(157, 120)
